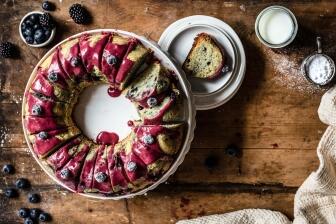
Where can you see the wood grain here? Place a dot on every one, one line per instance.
(273, 118)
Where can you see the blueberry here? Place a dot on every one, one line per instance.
(22, 183)
(148, 139)
(111, 59)
(43, 135)
(48, 6)
(23, 26)
(131, 166)
(65, 173)
(29, 39)
(152, 101)
(211, 161)
(28, 221)
(100, 177)
(39, 36)
(34, 18)
(232, 150)
(36, 27)
(23, 212)
(34, 213)
(11, 193)
(74, 61)
(8, 169)
(34, 198)
(28, 32)
(37, 109)
(44, 217)
(47, 33)
(53, 76)
(29, 23)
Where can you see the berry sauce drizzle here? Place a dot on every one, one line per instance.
(107, 138)
(113, 92)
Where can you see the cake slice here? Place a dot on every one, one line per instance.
(91, 49)
(37, 124)
(205, 59)
(101, 178)
(61, 156)
(69, 174)
(113, 54)
(119, 181)
(46, 142)
(149, 84)
(134, 58)
(37, 105)
(71, 61)
(86, 177)
(41, 85)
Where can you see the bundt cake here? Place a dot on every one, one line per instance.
(104, 165)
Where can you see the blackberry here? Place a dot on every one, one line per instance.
(8, 169)
(23, 212)
(48, 6)
(46, 20)
(7, 50)
(78, 14)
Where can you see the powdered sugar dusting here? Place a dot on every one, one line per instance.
(4, 136)
(288, 72)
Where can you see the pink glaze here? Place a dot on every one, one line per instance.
(43, 147)
(46, 105)
(113, 91)
(63, 154)
(151, 152)
(102, 167)
(75, 73)
(126, 65)
(107, 138)
(141, 169)
(37, 124)
(116, 50)
(118, 178)
(92, 52)
(42, 85)
(74, 166)
(158, 118)
(86, 177)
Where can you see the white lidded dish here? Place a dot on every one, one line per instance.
(177, 40)
(276, 26)
(52, 35)
(189, 113)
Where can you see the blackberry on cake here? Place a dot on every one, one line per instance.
(205, 59)
(79, 14)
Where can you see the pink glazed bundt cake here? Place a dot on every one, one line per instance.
(106, 165)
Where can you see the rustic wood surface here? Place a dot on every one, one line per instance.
(273, 118)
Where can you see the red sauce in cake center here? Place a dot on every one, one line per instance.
(107, 138)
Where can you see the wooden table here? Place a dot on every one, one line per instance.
(273, 118)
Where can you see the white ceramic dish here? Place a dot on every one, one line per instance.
(52, 35)
(177, 40)
(190, 112)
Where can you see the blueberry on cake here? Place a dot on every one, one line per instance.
(104, 167)
(205, 59)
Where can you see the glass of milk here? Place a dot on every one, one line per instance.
(276, 26)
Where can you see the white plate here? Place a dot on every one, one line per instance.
(177, 40)
(189, 107)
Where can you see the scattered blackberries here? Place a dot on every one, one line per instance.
(79, 14)
(46, 20)
(7, 50)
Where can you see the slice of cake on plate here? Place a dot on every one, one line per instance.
(46, 142)
(91, 49)
(205, 59)
(113, 54)
(71, 61)
(134, 58)
(69, 174)
(86, 176)
(101, 178)
(149, 84)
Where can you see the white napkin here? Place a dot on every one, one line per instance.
(315, 200)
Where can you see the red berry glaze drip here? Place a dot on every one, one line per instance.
(113, 92)
(107, 138)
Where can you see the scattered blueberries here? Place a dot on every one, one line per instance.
(8, 169)
(28, 221)
(48, 6)
(37, 28)
(11, 193)
(232, 150)
(211, 161)
(34, 213)
(23, 212)
(22, 183)
(34, 198)
(44, 217)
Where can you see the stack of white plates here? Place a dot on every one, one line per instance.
(177, 40)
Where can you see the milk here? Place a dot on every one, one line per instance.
(276, 26)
